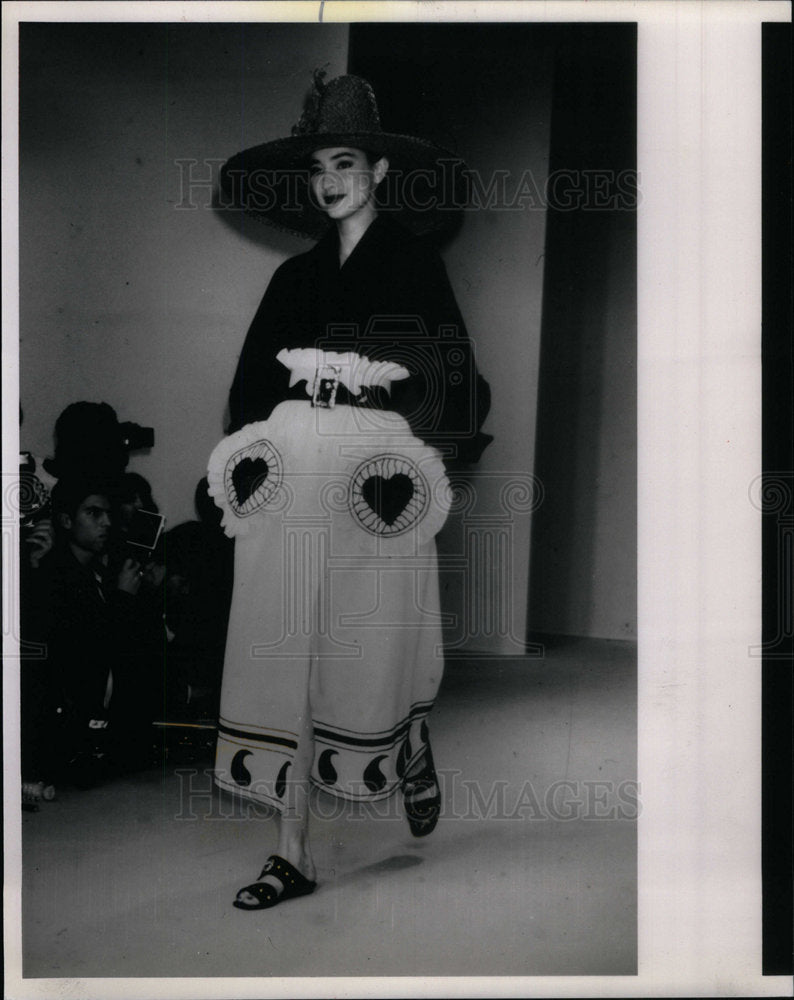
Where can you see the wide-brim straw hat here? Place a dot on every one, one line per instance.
(425, 187)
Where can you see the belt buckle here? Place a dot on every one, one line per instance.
(326, 382)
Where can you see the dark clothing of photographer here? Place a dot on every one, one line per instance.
(102, 689)
(91, 630)
(96, 686)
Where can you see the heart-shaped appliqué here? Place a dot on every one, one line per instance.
(252, 477)
(388, 497)
(247, 476)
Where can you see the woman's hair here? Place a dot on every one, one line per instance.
(372, 156)
(133, 485)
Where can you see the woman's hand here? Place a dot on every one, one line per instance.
(129, 578)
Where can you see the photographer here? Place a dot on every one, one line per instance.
(88, 439)
(92, 694)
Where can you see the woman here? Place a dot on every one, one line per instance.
(135, 493)
(355, 384)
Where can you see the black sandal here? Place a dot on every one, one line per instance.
(422, 814)
(267, 895)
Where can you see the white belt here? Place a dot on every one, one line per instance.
(324, 371)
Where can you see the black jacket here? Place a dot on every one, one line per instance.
(88, 627)
(390, 301)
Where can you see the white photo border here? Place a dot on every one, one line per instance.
(699, 354)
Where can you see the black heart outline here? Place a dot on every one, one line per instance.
(247, 476)
(366, 516)
(388, 497)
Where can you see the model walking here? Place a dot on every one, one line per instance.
(355, 387)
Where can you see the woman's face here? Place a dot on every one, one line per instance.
(343, 181)
(127, 508)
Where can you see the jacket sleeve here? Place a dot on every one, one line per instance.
(261, 382)
(445, 400)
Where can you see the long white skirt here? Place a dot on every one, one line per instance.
(335, 597)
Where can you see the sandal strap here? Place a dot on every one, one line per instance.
(422, 813)
(424, 779)
(289, 876)
(262, 891)
(422, 808)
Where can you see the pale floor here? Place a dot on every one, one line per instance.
(541, 880)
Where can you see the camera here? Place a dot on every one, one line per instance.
(135, 438)
(144, 530)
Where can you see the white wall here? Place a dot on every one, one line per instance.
(125, 297)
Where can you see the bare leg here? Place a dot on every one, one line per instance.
(293, 833)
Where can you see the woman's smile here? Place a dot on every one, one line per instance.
(343, 181)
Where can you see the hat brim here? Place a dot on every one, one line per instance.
(425, 187)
